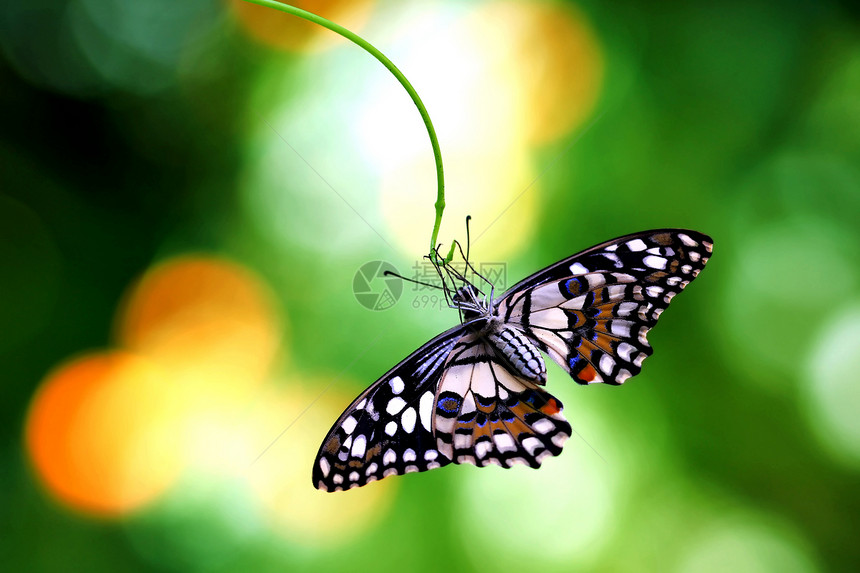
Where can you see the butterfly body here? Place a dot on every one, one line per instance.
(474, 393)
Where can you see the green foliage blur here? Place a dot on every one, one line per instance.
(124, 140)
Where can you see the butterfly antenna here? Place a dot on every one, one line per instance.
(393, 274)
(468, 238)
(472, 268)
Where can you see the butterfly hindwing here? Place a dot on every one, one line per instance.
(487, 415)
(593, 321)
(387, 430)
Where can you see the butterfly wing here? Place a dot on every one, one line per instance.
(591, 312)
(387, 430)
(487, 415)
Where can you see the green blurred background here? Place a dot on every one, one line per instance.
(188, 188)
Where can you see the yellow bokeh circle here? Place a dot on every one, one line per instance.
(210, 322)
(548, 58)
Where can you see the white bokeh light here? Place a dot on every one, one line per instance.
(833, 386)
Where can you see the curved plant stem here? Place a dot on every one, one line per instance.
(368, 47)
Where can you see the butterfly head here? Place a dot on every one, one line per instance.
(469, 300)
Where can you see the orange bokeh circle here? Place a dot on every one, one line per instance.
(100, 433)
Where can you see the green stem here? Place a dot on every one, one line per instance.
(368, 47)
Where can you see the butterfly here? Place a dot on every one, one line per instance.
(474, 394)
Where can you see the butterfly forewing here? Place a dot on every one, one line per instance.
(387, 430)
(591, 312)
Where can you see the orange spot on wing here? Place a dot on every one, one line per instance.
(551, 407)
(587, 374)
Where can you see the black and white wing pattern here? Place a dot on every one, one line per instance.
(473, 394)
(388, 429)
(487, 415)
(591, 312)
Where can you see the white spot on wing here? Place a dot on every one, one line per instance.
(578, 269)
(396, 384)
(430, 455)
(391, 428)
(654, 290)
(425, 410)
(504, 442)
(595, 280)
(371, 469)
(654, 262)
(325, 467)
(606, 364)
(462, 441)
(408, 420)
(358, 447)
(531, 444)
(389, 458)
(409, 455)
(636, 245)
(616, 292)
(625, 308)
(348, 425)
(395, 405)
(625, 351)
(620, 328)
(483, 447)
(687, 240)
(543, 426)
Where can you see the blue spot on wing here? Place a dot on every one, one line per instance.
(449, 404)
(575, 285)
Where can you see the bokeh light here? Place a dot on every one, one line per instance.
(205, 320)
(549, 59)
(487, 183)
(832, 385)
(101, 433)
(188, 191)
(280, 477)
(286, 32)
(511, 92)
